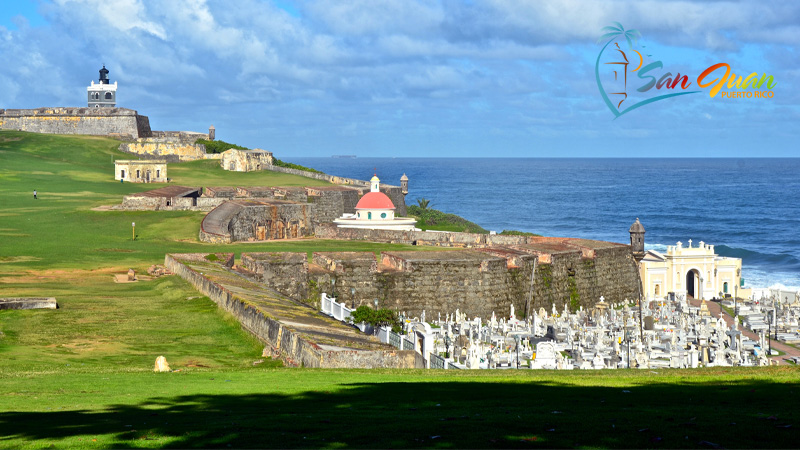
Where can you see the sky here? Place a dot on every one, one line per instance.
(397, 78)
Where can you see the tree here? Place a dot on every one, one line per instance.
(423, 203)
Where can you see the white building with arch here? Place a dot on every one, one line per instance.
(695, 272)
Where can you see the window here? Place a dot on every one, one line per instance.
(108, 95)
(358, 215)
(122, 173)
(383, 215)
(725, 287)
(369, 215)
(158, 174)
(138, 174)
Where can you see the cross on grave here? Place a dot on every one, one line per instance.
(733, 334)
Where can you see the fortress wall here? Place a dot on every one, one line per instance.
(115, 122)
(283, 341)
(287, 273)
(475, 283)
(279, 221)
(331, 204)
(172, 149)
(432, 238)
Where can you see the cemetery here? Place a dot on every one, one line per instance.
(671, 334)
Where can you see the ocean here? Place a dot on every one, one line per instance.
(747, 208)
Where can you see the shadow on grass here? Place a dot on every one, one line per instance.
(743, 413)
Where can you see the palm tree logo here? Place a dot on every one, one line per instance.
(612, 34)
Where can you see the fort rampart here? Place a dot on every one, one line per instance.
(283, 340)
(477, 282)
(113, 122)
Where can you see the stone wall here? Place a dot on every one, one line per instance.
(170, 148)
(287, 273)
(271, 220)
(475, 282)
(282, 340)
(114, 122)
(431, 238)
(331, 202)
(245, 160)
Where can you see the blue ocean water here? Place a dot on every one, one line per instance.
(746, 208)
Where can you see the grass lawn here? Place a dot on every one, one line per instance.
(81, 376)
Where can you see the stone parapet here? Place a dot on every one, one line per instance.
(113, 122)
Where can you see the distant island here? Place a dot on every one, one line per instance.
(343, 156)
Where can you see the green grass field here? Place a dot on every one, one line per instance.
(81, 376)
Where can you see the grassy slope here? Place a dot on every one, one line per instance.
(433, 219)
(80, 376)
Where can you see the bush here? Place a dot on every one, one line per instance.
(377, 318)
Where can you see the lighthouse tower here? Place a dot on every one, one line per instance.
(103, 94)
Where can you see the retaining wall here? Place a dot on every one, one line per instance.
(284, 341)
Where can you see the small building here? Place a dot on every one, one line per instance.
(141, 171)
(375, 210)
(103, 94)
(237, 160)
(695, 272)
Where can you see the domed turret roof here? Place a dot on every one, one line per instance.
(404, 178)
(375, 200)
(636, 227)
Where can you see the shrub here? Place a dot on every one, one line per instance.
(377, 318)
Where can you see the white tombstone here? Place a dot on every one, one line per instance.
(545, 356)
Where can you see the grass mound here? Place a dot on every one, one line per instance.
(432, 219)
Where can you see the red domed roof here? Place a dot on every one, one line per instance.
(375, 200)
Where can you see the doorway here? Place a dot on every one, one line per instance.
(692, 283)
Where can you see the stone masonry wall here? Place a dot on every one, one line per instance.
(432, 238)
(281, 339)
(330, 204)
(476, 283)
(287, 273)
(271, 221)
(115, 122)
(167, 148)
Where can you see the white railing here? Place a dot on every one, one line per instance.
(329, 306)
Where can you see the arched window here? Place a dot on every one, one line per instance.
(657, 290)
(725, 287)
(383, 215)
(108, 95)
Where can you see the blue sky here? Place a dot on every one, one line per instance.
(411, 78)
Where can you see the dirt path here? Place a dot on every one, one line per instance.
(715, 308)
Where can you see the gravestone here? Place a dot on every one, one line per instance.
(131, 275)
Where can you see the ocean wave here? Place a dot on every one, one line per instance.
(784, 261)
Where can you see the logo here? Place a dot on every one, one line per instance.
(628, 80)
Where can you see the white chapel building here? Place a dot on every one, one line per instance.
(695, 272)
(375, 210)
